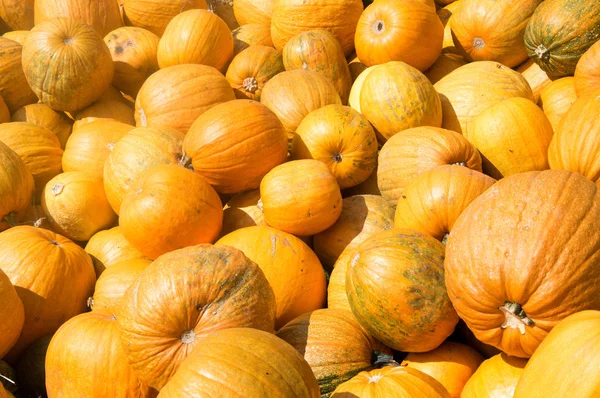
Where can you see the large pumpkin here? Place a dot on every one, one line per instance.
(102, 15)
(251, 35)
(16, 188)
(241, 211)
(408, 31)
(234, 153)
(12, 312)
(174, 303)
(496, 377)
(175, 96)
(556, 99)
(587, 71)
(110, 247)
(58, 45)
(43, 115)
(535, 76)
(335, 346)
(155, 15)
(13, 84)
(506, 272)
(251, 69)
(53, 276)
(17, 14)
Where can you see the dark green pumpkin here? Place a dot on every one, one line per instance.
(560, 31)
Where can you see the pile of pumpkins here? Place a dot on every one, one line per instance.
(300, 198)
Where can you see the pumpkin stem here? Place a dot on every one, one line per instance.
(337, 157)
(188, 337)
(445, 239)
(515, 317)
(464, 164)
(186, 161)
(478, 43)
(143, 119)
(11, 219)
(542, 52)
(380, 359)
(250, 84)
(259, 204)
(379, 27)
(90, 303)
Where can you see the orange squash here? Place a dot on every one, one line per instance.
(368, 187)
(251, 35)
(496, 377)
(18, 35)
(182, 283)
(18, 14)
(12, 311)
(506, 272)
(446, 63)
(112, 109)
(14, 89)
(354, 99)
(155, 15)
(16, 188)
(391, 30)
(242, 211)
(587, 75)
(174, 97)
(251, 69)
(109, 247)
(102, 15)
(445, 15)
(253, 11)
(556, 99)
(336, 289)
(535, 76)
(43, 115)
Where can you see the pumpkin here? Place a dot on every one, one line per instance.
(102, 15)
(155, 15)
(57, 45)
(18, 35)
(39, 149)
(136, 151)
(224, 10)
(356, 67)
(476, 35)
(301, 206)
(446, 63)
(535, 76)
(587, 74)
(43, 115)
(16, 188)
(452, 364)
(354, 99)
(112, 94)
(362, 216)
(445, 15)
(336, 289)
(291, 17)
(133, 51)
(335, 346)
(395, 97)
(506, 273)
(53, 277)
(391, 381)
(341, 138)
(253, 11)
(433, 201)
(13, 84)
(368, 187)
(250, 35)
(472, 88)
(496, 377)
(4, 112)
(407, 31)
(251, 69)
(12, 309)
(512, 136)
(174, 97)
(463, 334)
(114, 282)
(90, 145)
(242, 211)
(414, 151)
(556, 99)
(275, 368)
(31, 370)
(182, 284)
(98, 355)
(213, 41)
(116, 110)
(35, 216)
(294, 94)
(18, 14)
(319, 50)
(411, 311)
(110, 247)
(170, 207)
(580, 335)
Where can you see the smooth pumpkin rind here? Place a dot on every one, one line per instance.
(109, 247)
(556, 99)
(16, 187)
(496, 377)
(102, 15)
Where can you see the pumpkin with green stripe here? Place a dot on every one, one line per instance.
(560, 31)
(395, 286)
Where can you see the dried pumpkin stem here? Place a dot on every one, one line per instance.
(337, 157)
(250, 84)
(379, 27)
(381, 359)
(188, 337)
(542, 52)
(464, 164)
(515, 317)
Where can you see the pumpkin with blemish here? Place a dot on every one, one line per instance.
(250, 35)
(43, 115)
(557, 98)
(18, 14)
(155, 15)
(16, 188)
(102, 15)
(109, 247)
(251, 69)
(14, 89)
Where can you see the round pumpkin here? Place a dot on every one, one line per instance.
(102, 15)
(18, 35)
(44, 116)
(18, 14)
(496, 377)
(174, 97)
(253, 11)
(251, 35)
(556, 99)
(336, 289)
(251, 69)
(242, 211)
(155, 15)
(112, 94)
(31, 369)
(354, 99)
(111, 109)
(12, 312)
(14, 89)
(58, 45)
(168, 310)
(414, 151)
(587, 71)
(109, 247)
(535, 76)
(446, 63)
(335, 346)
(407, 31)
(53, 276)
(368, 187)
(16, 188)
(506, 272)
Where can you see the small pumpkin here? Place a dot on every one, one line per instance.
(587, 74)
(17, 35)
(251, 69)
(12, 309)
(18, 14)
(535, 76)
(155, 15)
(446, 63)
(16, 188)
(109, 247)
(495, 377)
(14, 89)
(253, 11)
(31, 369)
(43, 115)
(250, 35)
(102, 15)
(556, 99)
(108, 110)
(242, 211)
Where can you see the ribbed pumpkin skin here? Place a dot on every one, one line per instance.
(251, 69)
(196, 37)
(559, 32)
(504, 249)
(535, 76)
(109, 247)
(12, 309)
(436, 198)
(587, 71)
(170, 207)
(496, 377)
(182, 284)
(299, 286)
(580, 335)
(102, 15)
(155, 15)
(556, 99)
(512, 136)
(253, 11)
(470, 89)
(14, 89)
(17, 14)
(283, 372)
(476, 34)
(251, 35)
(411, 310)
(175, 96)
(83, 369)
(242, 211)
(110, 109)
(414, 151)
(319, 51)
(334, 344)
(55, 70)
(53, 276)
(575, 145)
(390, 30)
(44, 116)
(16, 187)
(391, 381)
(446, 63)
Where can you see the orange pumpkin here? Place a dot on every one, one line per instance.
(155, 15)
(102, 15)
(336, 289)
(556, 99)
(253, 11)
(53, 276)
(445, 15)
(251, 69)
(109, 247)
(213, 41)
(12, 311)
(4, 112)
(587, 74)
(111, 109)
(182, 284)
(535, 76)
(299, 286)
(506, 272)
(43, 115)
(17, 14)
(354, 99)
(446, 63)
(496, 377)
(356, 67)
(251, 35)
(242, 211)
(174, 97)
(14, 89)
(112, 94)
(391, 30)
(16, 188)
(18, 35)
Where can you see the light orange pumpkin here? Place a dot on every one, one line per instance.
(43, 115)
(445, 15)
(13, 314)
(155, 15)
(446, 63)
(354, 99)
(496, 377)
(14, 89)
(253, 11)
(16, 188)
(587, 71)
(251, 69)
(108, 110)
(368, 187)
(556, 99)
(109, 247)
(18, 35)
(251, 35)
(242, 211)
(535, 76)
(18, 14)
(112, 94)
(336, 289)
(102, 15)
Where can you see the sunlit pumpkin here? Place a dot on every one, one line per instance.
(253, 11)
(496, 377)
(102, 15)
(110, 109)
(251, 69)
(43, 115)
(556, 99)
(109, 247)
(155, 15)
(241, 211)
(587, 75)
(250, 35)
(12, 311)
(16, 188)
(14, 89)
